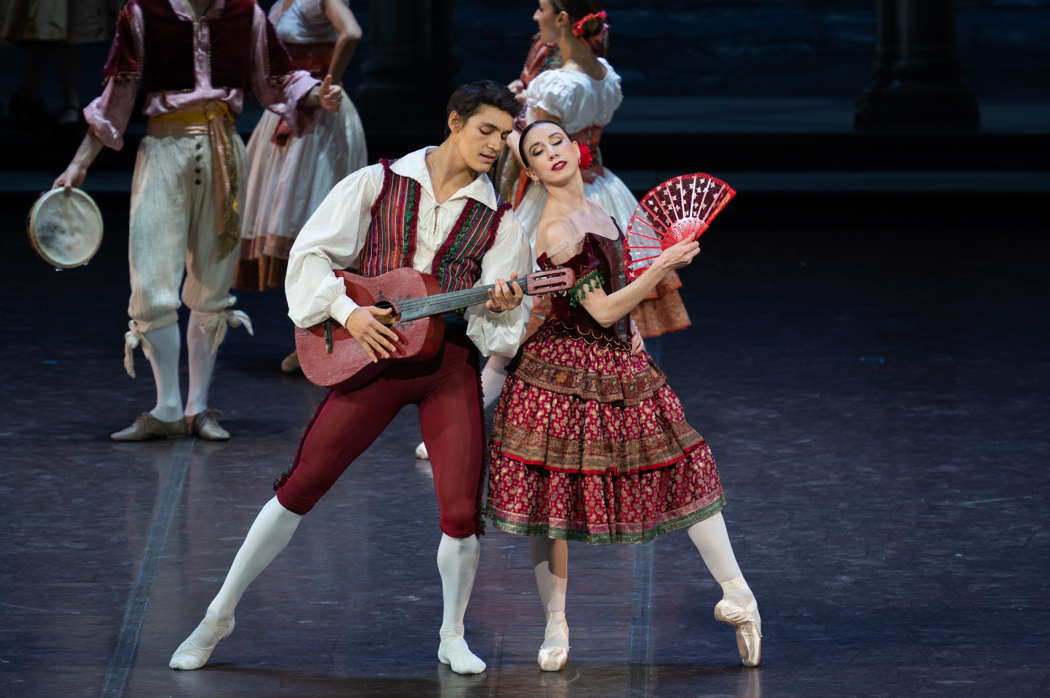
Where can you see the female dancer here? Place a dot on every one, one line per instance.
(589, 443)
(582, 95)
(288, 175)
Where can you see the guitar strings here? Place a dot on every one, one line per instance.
(458, 299)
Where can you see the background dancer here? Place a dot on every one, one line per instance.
(200, 58)
(288, 175)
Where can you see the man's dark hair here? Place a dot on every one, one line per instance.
(468, 98)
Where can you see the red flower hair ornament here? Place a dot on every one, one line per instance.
(585, 156)
(580, 27)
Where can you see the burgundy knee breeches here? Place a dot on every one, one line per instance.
(448, 394)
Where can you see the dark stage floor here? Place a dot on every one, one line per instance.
(876, 397)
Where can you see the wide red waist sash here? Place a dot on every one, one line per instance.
(313, 58)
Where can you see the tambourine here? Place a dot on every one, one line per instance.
(65, 229)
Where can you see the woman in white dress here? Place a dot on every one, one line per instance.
(289, 176)
(582, 96)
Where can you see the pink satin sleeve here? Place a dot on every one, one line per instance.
(107, 115)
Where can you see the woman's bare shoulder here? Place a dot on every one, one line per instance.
(558, 237)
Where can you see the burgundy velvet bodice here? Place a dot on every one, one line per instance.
(598, 254)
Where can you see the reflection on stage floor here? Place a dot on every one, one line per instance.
(879, 420)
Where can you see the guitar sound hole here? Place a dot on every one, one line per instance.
(392, 317)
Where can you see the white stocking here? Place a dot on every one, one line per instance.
(200, 341)
(712, 540)
(493, 376)
(457, 561)
(738, 607)
(268, 536)
(550, 563)
(162, 347)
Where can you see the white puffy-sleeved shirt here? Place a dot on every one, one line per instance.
(575, 98)
(334, 235)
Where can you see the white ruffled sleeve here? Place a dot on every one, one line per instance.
(500, 333)
(330, 240)
(555, 93)
(613, 82)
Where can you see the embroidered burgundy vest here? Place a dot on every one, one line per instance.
(391, 239)
(168, 46)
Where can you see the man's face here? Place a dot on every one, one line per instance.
(480, 140)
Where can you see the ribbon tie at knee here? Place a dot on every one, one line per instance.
(217, 323)
(133, 339)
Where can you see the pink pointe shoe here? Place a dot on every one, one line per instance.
(746, 622)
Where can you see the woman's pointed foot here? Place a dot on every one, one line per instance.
(554, 652)
(741, 612)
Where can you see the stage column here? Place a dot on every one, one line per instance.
(917, 82)
(408, 75)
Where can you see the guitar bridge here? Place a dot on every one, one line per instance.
(329, 341)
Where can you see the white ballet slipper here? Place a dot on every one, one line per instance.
(454, 651)
(195, 650)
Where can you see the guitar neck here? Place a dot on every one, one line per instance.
(443, 302)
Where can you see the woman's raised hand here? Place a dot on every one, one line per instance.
(679, 254)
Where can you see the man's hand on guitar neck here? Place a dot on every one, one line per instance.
(505, 296)
(377, 339)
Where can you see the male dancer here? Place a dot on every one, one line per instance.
(194, 59)
(436, 211)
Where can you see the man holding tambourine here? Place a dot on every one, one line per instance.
(194, 59)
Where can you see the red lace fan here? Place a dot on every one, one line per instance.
(680, 208)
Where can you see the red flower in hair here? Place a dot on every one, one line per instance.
(585, 156)
(579, 28)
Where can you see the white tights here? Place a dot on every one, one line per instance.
(550, 561)
(712, 540)
(164, 348)
(268, 536)
(200, 341)
(493, 376)
(457, 560)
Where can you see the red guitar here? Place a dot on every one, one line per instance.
(330, 356)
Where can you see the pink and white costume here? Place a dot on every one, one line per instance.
(289, 176)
